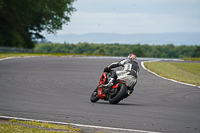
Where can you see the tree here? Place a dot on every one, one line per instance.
(22, 21)
(138, 51)
(101, 51)
(197, 50)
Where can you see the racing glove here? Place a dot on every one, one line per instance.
(107, 69)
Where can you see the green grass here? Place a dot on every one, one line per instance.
(191, 59)
(5, 55)
(183, 72)
(17, 128)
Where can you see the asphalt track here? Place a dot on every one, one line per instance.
(59, 88)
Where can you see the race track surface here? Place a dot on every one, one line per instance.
(59, 89)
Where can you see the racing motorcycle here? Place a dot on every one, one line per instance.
(121, 89)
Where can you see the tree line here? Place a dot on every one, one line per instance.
(157, 51)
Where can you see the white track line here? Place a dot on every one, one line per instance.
(7, 58)
(78, 125)
(142, 64)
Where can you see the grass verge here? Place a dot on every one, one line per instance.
(5, 55)
(16, 126)
(191, 59)
(183, 72)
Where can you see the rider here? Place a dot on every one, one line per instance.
(130, 71)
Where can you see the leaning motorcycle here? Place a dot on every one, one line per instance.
(120, 90)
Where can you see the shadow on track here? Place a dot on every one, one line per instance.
(119, 104)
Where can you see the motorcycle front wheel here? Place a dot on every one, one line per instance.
(115, 99)
(94, 97)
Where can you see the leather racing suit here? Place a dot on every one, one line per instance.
(128, 75)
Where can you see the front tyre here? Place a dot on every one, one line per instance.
(115, 99)
(94, 97)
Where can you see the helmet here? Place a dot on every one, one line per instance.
(132, 56)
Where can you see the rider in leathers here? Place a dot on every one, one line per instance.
(128, 75)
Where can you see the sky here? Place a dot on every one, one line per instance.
(133, 17)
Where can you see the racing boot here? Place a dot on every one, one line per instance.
(129, 92)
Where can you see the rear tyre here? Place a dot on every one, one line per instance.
(94, 97)
(115, 99)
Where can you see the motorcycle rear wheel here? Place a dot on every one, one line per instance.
(94, 97)
(115, 99)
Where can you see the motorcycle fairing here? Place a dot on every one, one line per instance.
(102, 82)
(100, 86)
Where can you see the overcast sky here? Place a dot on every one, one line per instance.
(134, 16)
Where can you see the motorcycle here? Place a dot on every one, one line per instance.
(121, 89)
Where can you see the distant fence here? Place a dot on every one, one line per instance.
(14, 50)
